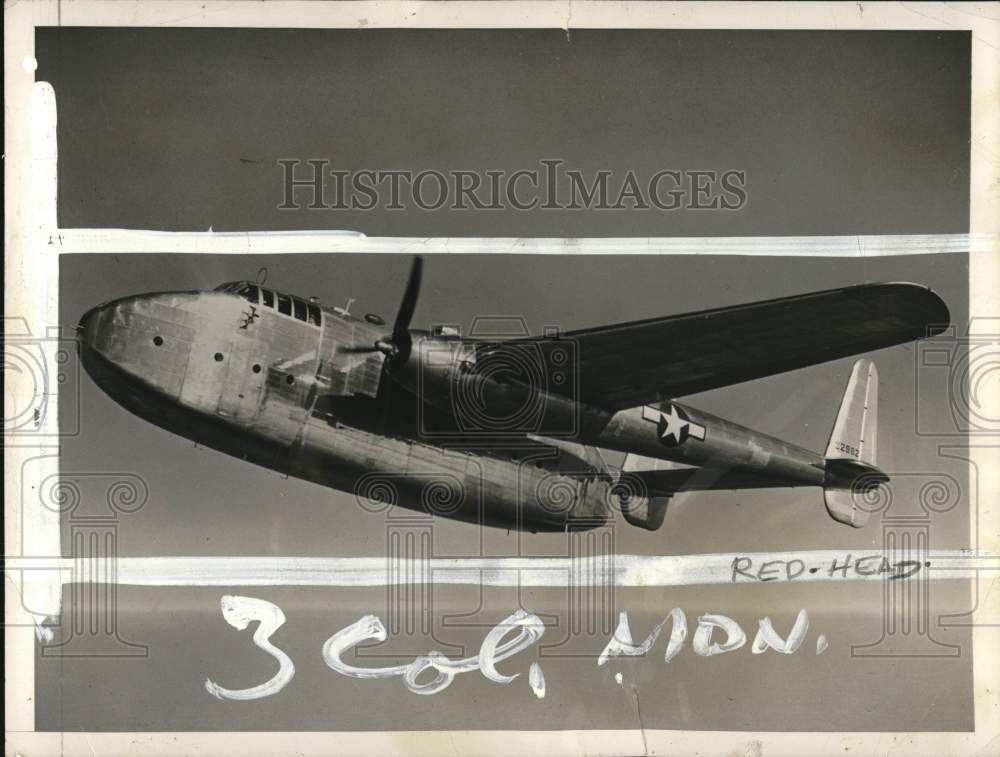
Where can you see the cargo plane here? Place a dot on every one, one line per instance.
(512, 433)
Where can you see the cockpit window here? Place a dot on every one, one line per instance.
(284, 304)
(307, 312)
(250, 293)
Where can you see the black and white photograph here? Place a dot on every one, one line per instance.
(443, 377)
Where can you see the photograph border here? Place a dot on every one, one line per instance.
(31, 303)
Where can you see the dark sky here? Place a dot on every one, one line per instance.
(838, 132)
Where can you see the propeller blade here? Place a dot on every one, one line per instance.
(397, 347)
(401, 327)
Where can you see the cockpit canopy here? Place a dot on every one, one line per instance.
(285, 304)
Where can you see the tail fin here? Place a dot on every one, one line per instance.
(850, 454)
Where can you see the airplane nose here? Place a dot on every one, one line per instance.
(137, 344)
(91, 342)
(87, 328)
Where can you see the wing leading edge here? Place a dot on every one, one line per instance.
(630, 364)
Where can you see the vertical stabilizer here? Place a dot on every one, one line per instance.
(853, 436)
(850, 454)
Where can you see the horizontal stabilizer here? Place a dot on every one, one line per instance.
(634, 463)
(666, 477)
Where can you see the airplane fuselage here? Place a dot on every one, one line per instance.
(283, 383)
(192, 363)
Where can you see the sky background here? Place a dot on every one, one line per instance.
(839, 133)
(194, 484)
(181, 129)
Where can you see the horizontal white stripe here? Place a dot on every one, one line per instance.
(122, 241)
(617, 570)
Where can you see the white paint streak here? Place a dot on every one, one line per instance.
(239, 612)
(677, 635)
(621, 570)
(437, 661)
(369, 627)
(530, 630)
(621, 642)
(41, 594)
(702, 643)
(123, 241)
(529, 626)
(536, 678)
(821, 644)
(768, 637)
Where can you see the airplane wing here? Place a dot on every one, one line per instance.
(630, 364)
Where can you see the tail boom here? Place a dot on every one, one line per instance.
(719, 455)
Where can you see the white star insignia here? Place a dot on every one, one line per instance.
(674, 425)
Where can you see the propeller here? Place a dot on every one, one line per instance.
(402, 342)
(398, 345)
